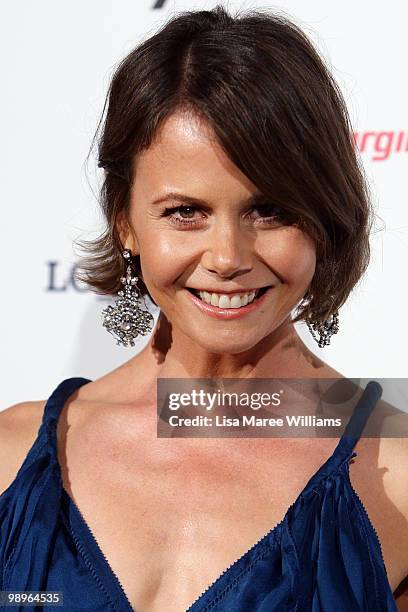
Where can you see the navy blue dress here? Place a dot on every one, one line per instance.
(324, 556)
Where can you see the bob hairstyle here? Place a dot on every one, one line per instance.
(277, 113)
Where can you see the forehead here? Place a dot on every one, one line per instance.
(185, 154)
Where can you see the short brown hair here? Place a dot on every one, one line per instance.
(278, 114)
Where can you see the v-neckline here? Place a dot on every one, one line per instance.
(88, 544)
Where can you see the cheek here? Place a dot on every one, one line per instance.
(291, 253)
(165, 258)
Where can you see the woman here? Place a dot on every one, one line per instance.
(229, 168)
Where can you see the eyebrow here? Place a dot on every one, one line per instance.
(186, 199)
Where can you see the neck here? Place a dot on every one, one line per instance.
(281, 354)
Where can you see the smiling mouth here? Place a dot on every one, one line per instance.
(258, 294)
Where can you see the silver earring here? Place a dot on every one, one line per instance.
(127, 320)
(325, 329)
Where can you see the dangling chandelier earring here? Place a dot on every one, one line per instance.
(325, 329)
(127, 320)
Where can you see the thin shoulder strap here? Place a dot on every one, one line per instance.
(355, 426)
(58, 398)
(344, 449)
(47, 430)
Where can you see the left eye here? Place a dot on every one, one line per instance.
(179, 209)
(270, 210)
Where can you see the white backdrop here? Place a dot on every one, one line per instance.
(56, 62)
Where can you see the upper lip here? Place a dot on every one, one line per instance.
(226, 291)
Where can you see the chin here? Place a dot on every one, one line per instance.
(228, 343)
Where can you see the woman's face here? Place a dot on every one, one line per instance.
(224, 245)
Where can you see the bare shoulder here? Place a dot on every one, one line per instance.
(394, 457)
(393, 454)
(380, 476)
(392, 468)
(19, 425)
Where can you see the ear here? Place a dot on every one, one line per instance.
(126, 233)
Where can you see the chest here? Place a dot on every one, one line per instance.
(170, 521)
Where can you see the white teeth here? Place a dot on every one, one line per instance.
(224, 301)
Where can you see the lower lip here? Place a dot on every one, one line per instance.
(228, 313)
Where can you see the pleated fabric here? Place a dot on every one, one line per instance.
(324, 556)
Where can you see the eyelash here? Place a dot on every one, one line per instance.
(169, 212)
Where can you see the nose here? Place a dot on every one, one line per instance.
(228, 255)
